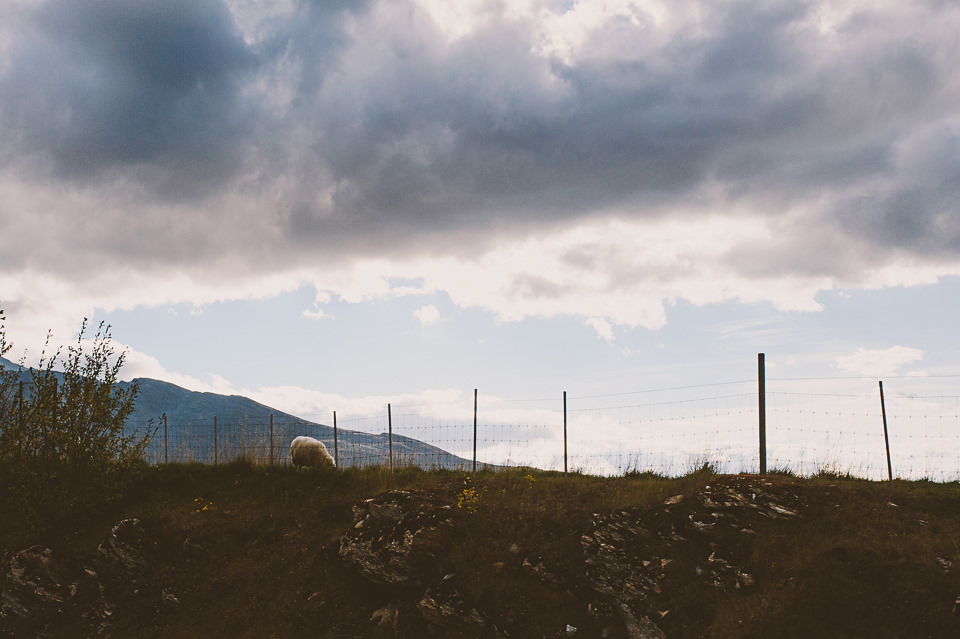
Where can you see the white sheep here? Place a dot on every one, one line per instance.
(307, 451)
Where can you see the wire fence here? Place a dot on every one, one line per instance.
(911, 431)
(805, 432)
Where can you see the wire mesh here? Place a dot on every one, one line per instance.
(806, 433)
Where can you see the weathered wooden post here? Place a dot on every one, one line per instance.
(216, 450)
(564, 432)
(271, 439)
(166, 455)
(886, 438)
(336, 447)
(390, 434)
(762, 395)
(474, 430)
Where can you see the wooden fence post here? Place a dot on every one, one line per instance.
(762, 399)
(564, 432)
(474, 430)
(886, 438)
(336, 447)
(271, 439)
(390, 434)
(216, 450)
(166, 454)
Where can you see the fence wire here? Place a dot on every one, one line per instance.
(806, 433)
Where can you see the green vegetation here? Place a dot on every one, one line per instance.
(62, 442)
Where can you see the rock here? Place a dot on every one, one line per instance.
(627, 553)
(127, 545)
(386, 617)
(442, 606)
(645, 629)
(398, 537)
(616, 569)
(43, 594)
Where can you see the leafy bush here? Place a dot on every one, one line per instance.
(62, 441)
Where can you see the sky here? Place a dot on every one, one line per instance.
(335, 205)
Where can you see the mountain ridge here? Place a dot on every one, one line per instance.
(212, 427)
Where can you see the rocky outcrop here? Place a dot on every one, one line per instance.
(401, 539)
(43, 594)
(708, 539)
(631, 558)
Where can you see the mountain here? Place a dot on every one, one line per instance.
(207, 427)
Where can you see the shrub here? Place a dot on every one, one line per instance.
(62, 441)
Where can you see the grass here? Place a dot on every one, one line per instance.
(250, 551)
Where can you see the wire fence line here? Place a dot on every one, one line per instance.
(668, 431)
(806, 433)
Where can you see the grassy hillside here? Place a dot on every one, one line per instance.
(252, 551)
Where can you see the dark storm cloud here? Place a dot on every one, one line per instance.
(434, 136)
(123, 84)
(360, 126)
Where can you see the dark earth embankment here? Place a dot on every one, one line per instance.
(247, 551)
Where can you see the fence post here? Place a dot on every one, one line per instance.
(564, 432)
(390, 434)
(216, 455)
(166, 457)
(474, 430)
(271, 439)
(762, 395)
(886, 438)
(336, 447)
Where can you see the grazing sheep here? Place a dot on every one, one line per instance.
(307, 451)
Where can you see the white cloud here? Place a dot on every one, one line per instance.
(317, 314)
(602, 327)
(139, 364)
(879, 362)
(427, 315)
(618, 272)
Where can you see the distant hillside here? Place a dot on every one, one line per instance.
(183, 406)
(243, 428)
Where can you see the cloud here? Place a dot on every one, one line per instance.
(618, 272)
(148, 89)
(427, 315)
(879, 362)
(602, 327)
(142, 365)
(704, 151)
